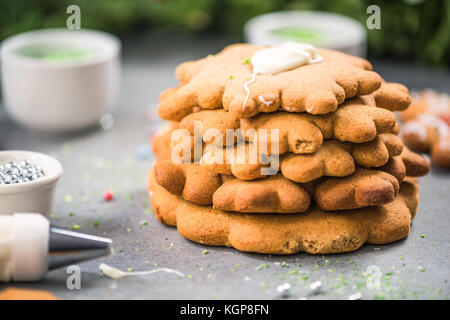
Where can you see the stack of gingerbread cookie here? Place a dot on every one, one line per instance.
(282, 150)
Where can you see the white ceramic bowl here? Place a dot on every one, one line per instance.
(60, 95)
(335, 31)
(35, 196)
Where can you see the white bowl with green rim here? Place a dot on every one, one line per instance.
(35, 196)
(58, 79)
(320, 29)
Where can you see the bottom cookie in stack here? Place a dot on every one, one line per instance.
(315, 231)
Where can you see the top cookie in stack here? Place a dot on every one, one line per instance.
(285, 149)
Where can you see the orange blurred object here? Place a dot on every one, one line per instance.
(26, 294)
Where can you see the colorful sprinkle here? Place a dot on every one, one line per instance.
(143, 223)
(108, 195)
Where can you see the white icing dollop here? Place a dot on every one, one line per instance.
(285, 57)
(281, 58)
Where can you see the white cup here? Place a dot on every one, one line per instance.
(34, 196)
(334, 31)
(64, 94)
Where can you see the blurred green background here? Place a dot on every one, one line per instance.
(415, 30)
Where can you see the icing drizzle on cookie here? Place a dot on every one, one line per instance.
(287, 56)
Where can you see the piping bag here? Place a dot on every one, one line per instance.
(30, 246)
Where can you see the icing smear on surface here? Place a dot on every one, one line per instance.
(115, 273)
(278, 59)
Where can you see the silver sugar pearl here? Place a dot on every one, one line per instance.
(24, 163)
(19, 172)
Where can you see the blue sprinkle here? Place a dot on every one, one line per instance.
(143, 151)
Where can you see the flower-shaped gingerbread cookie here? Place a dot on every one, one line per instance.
(218, 82)
(275, 194)
(354, 121)
(315, 232)
(334, 158)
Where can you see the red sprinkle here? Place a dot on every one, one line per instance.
(108, 195)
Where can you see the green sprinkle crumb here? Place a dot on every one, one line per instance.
(422, 235)
(130, 269)
(96, 223)
(205, 251)
(68, 198)
(190, 276)
(52, 215)
(71, 214)
(231, 77)
(75, 227)
(143, 223)
(246, 61)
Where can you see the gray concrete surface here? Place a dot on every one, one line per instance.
(97, 159)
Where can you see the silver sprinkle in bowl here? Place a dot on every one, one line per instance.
(29, 182)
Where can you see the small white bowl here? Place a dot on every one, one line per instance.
(36, 196)
(60, 94)
(331, 30)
